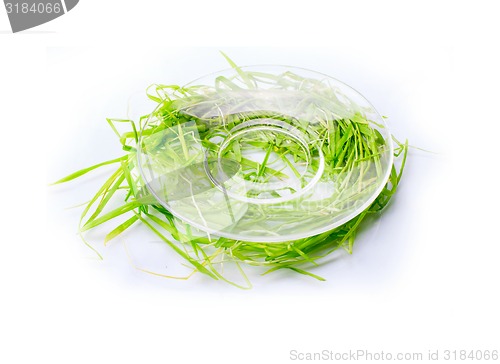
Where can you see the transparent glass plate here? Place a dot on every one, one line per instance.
(264, 153)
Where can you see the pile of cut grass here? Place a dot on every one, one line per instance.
(354, 141)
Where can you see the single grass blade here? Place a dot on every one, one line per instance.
(83, 171)
(120, 229)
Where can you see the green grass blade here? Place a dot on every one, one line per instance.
(244, 76)
(120, 229)
(83, 171)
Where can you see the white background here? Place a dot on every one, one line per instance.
(424, 278)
